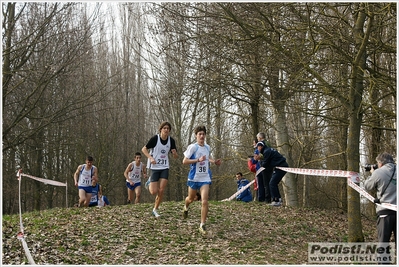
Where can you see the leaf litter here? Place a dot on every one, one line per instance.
(238, 233)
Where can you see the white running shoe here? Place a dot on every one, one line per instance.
(155, 213)
(275, 204)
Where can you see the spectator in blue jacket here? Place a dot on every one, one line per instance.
(272, 159)
(246, 195)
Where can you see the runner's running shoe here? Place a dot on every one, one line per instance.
(155, 213)
(202, 229)
(185, 213)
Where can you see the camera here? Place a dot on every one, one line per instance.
(368, 167)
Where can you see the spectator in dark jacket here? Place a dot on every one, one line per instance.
(272, 159)
(264, 176)
(246, 195)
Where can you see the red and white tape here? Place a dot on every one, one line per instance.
(352, 178)
(334, 173)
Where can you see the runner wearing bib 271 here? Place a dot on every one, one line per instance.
(161, 145)
(199, 177)
(84, 176)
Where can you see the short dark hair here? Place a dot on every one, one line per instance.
(137, 154)
(89, 158)
(199, 129)
(239, 173)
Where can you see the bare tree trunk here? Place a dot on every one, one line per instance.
(284, 147)
(355, 121)
(278, 97)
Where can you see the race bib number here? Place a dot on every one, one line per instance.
(135, 175)
(202, 167)
(86, 180)
(93, 198)
(162, 161)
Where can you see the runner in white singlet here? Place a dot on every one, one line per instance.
(161, 144)
(83, 178)
(133, 173)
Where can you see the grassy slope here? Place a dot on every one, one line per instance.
(238, 233)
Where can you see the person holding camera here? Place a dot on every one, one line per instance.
(383, 180)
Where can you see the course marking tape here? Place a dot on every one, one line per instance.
(239, 191)
(45, 181)
(20, 234)
(334, 173)
(245, 187)
(352, 178)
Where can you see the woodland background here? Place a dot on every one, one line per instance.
(98, 78)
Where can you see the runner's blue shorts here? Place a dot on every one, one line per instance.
(87, 189)
(132, 187)
(197, 185)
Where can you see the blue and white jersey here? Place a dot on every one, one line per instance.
(94, 194)
(161, 155)
(199, 171)
(85, 176)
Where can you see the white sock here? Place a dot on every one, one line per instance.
(201, 224)
(185, 207)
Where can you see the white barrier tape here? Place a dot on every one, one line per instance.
(352, 178)
(388, 206)
(20, 235)
(239, 191)
(45, 181)
(245, 187)
(360, 190)
(370, 197)
(334, 173)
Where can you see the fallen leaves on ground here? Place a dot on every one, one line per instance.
(238, 233)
